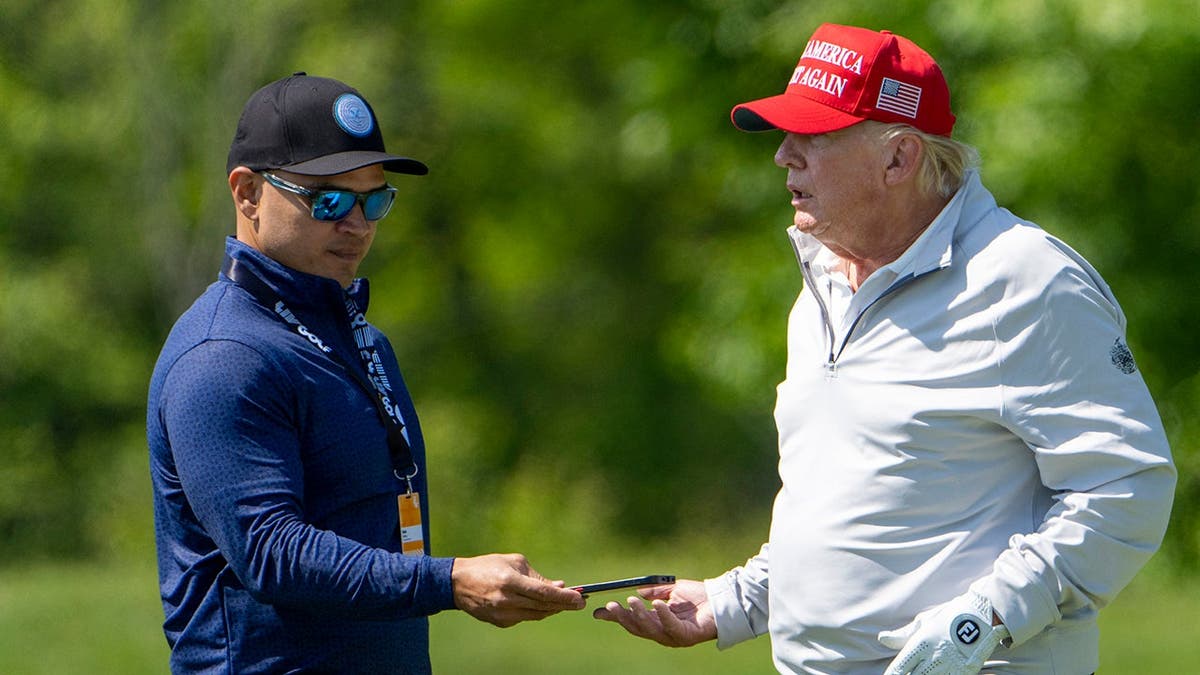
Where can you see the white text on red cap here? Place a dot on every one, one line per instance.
(835, 54)
(816, 78)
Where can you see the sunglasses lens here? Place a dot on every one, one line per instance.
(332, 205)
(377, 204)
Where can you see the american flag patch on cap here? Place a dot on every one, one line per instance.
(898, 97)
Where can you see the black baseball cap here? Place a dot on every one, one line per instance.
(314, 126)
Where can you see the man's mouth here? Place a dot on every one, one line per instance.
(347, 254)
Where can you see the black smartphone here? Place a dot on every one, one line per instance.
(632, 582)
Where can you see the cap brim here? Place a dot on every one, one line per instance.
(790, 112)
(341, 162)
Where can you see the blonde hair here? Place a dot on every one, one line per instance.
(944, 163)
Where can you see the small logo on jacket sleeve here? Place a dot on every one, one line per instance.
(1121, 357)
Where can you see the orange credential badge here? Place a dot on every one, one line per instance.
(412, 539)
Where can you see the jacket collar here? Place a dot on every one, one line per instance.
(934, 249)
(299, 290)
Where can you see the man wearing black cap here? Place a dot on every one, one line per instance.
(290, 493)
(971, 465)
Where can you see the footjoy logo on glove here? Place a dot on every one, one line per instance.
(967, 631)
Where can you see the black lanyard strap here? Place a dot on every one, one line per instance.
(370, 376)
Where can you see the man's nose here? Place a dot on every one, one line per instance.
(788, 154)
(355, 221)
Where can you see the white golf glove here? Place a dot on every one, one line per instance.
(954, 638)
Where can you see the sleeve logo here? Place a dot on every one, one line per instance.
(1121, 357)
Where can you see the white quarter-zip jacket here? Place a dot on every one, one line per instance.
(971, 417)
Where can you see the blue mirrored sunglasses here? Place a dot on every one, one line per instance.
(337, 204)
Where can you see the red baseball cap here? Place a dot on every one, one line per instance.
(849, 74)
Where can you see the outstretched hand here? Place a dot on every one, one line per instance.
(502, 589)
(679, 614)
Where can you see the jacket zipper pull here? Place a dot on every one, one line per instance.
(830, 369)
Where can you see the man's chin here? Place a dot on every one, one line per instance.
(805, 224)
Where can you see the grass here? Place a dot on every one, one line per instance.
(77, 618)
(105, 618)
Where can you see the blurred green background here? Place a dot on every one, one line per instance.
(587, 294)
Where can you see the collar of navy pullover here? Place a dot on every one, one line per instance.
(301, 291)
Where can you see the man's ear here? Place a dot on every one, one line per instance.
(904, 158)
(246, 189)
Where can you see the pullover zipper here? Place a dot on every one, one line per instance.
(806, 272)
(831, 364)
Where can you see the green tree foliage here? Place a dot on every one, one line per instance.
(589, 291)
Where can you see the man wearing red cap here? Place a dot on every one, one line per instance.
(971, 464)
(288, 467)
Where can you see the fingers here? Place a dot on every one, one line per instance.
(679, 618)
(642, 622)
(505, 590)
(536, 592)
(521, 564)
(612, 611)
(661, 592)
(675, 629)
(633, 618)
(508, 617)
(896, 639)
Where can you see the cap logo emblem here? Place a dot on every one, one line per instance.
(352, 115)
(898, 97)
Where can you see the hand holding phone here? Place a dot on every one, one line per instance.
(679, 616)
(632, 582)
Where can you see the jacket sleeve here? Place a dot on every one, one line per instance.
(1073, 394)
(739, 601)
(235, 442)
